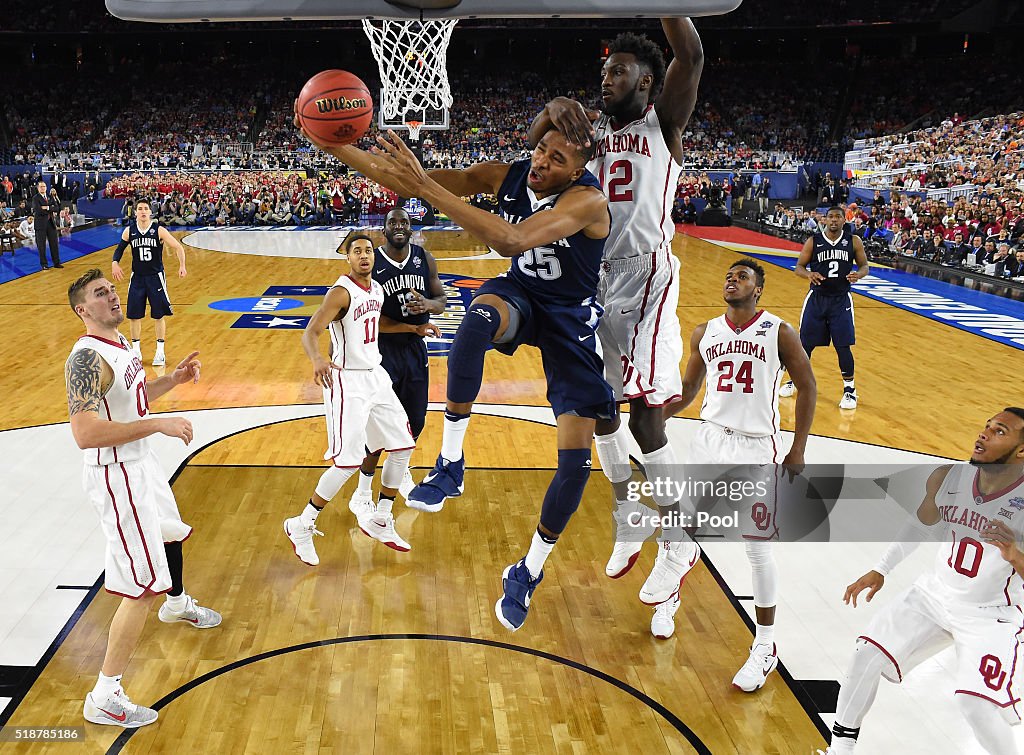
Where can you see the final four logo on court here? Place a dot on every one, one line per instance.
(261, 312)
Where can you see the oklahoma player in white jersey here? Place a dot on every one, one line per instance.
(108, 403)
(972, 598)
(742, 354)
(638, 160)
(361, 407)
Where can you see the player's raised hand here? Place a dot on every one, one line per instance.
(428, 329)
(572, 119)
(187, 369)
(116, 271)
(400, 170)
(322, 371)
(997, 533)
(176, 427)
(872, 582)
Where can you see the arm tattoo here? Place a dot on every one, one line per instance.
(84, 376)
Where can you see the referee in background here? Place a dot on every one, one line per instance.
(45, 210)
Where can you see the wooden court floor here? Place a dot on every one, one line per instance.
(376, 651)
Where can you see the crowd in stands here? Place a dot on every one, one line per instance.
(252, 198)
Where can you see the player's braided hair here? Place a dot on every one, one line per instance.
(647, 54)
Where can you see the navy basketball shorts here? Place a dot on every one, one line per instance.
(405, 359)
(570, 352)
(827, 319)
(151, 288)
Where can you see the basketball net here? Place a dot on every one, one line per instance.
(412, 57)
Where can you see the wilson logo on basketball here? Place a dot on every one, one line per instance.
(339, 104)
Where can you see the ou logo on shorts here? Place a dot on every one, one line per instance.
(992, 673)
(761, 516)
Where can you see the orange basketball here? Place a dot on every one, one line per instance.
(335, 107)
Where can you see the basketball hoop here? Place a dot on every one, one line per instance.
(414, 129)
(412, 58)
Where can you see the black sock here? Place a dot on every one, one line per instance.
(176, 566)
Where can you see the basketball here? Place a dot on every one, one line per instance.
(335, 107)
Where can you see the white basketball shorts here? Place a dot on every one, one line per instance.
(919, 623)
(138, 515)
(640, 338)
(362, 411)
(722, 451)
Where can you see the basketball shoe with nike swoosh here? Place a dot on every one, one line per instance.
(674, 562)
(518, 585)
(379, 523)
(446, 480)
(117, 710)
(762, 661)
(193, 614)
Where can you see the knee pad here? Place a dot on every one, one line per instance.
(332, 480)
(466, 360)
(566, 489)
(765, 574)
(395, 467)
(613, 453)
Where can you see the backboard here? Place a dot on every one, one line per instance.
(183, 11)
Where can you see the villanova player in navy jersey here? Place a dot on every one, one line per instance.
(553, 223)
(148, 282)
(827, 261)
(412, 293)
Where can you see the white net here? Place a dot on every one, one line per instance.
(412, 57)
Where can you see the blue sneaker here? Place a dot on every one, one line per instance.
(511, 608)
(442, 482)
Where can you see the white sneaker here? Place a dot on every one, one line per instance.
(194, 614)
(406, 485)
(379, 524)
(673, 563)
(663, 623)
(629, 539)
(849, 400)
(117, 710)
(359, 502)
(762, 661)
(787, 389)
(159, 359)
(302, 540)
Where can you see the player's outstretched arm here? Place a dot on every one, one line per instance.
(693, 377)
(334, 305)
(88, 379)
(186, 371)
(795, 360)
(580, 208)
(678, 95)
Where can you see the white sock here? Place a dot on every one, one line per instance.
(309, 515)
(451, 439)
(539, 551)
(662, 465)
(177, 603)
(384, 505)
(765, 635)
(106, 686)
(365, 482)
(159, 345)
(137, 345)
(848, 384)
